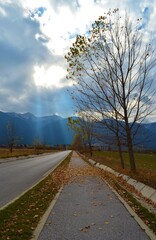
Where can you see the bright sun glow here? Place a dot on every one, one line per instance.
(52, 76)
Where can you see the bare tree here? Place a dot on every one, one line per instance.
(77, 143)
(11, 135)
(84, 126)
(112, 73)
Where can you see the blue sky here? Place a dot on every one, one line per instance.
(35, 36)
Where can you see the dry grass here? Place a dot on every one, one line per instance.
(5, 152)
(146, 165)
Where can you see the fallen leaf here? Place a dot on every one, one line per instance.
(106, 222)
(85, 228)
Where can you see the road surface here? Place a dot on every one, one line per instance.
(18, 176)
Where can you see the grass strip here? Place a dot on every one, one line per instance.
(20, 152)
(146, 165)
(20, 218)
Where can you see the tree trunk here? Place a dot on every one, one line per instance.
(90, 149)
(11, 147)
(120, 153)
(119, 142)
(130, 149)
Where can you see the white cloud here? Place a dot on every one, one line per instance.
(3, 12)
(50, 77)
(59, 22)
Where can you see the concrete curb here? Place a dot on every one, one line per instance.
(45, 217)
(143, 189)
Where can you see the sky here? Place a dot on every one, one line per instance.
(34, 37)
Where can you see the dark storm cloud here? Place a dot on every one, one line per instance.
(56, 101)
(20, 51)
(18, 37)
(40, 101)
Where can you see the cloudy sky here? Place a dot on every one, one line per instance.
(34, 37)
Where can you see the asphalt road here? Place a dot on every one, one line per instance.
(18, 176)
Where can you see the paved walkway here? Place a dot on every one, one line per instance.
(87, 209)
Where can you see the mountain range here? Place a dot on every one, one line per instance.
(53, 130)
(49, 130)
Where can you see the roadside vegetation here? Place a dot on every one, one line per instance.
(18, 152)
(19, 219)
(145, 162)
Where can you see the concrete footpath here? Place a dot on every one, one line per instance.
(87, 209)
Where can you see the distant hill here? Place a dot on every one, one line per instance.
(149, 134)
(145, 139)
(53, 130)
